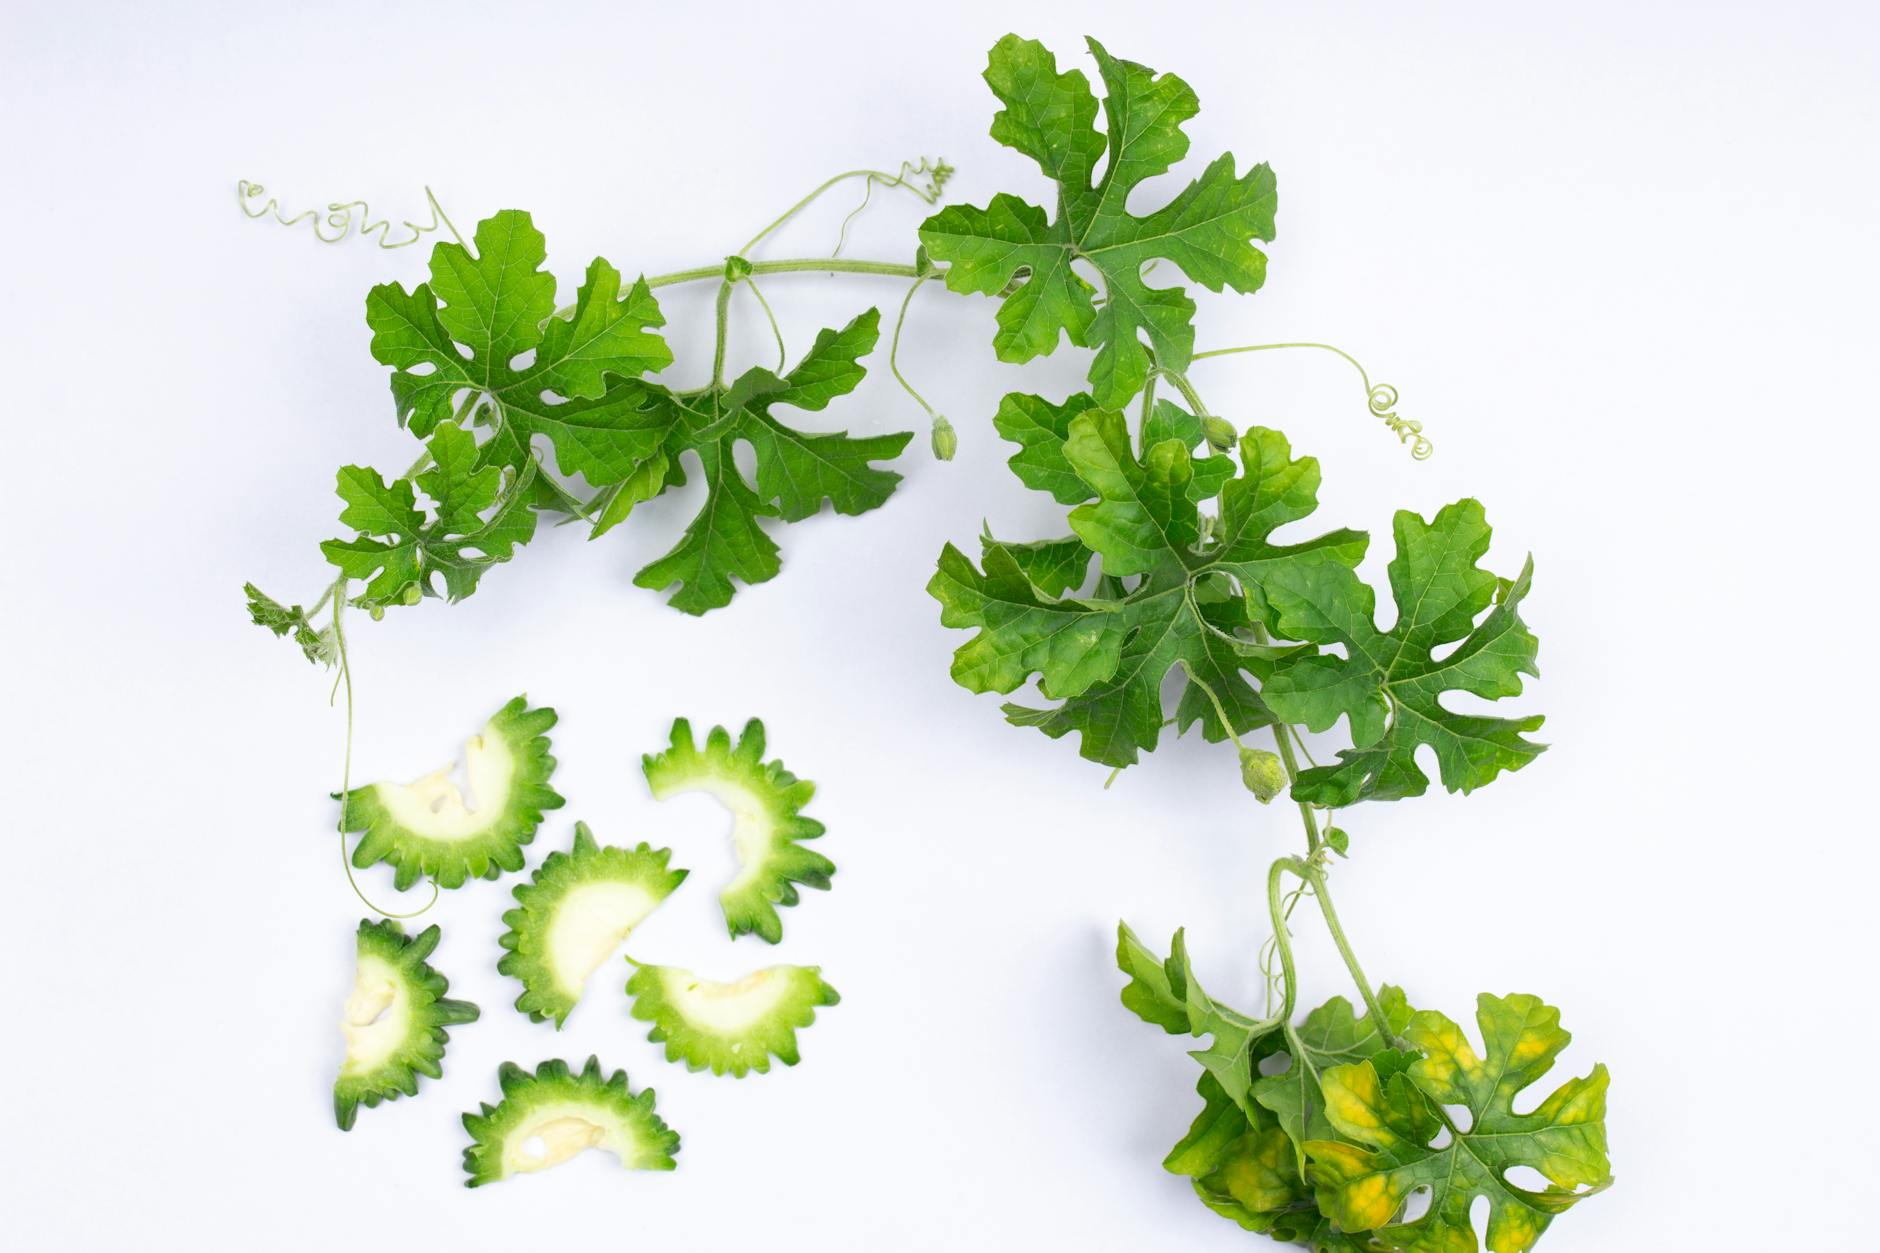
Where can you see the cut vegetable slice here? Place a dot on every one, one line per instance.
(547, 1117)
(765, 801)
(394, 1020)
(574, 911)
(729, 1027)
(426, 827)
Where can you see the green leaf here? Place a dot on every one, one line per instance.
(1143, 520)
(459, 487)
(1106, 657)
(1241, 1169)
(1389, 684)
(1040, 428)
(723, 543)
(478, 518)
(1022, 631)
(1147, 994)
(1334, 1034)
(376, 507)
(796, 471)
(1054, 566)
(1175, 1001)
(646, 482)
(1014, 248)
(581, 390)
(317, 645)
(1386, 1125)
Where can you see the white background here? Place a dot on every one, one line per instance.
(1620, 259)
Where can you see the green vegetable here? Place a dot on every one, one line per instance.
(578, 907)
(427, 828)
(731, 1028)
(394, 1021)
(547, 1117)
(766, 803)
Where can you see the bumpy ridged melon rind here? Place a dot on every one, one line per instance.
(575, 910)
(425, 829)
(399, 1001)
(766, 803)
(566, 1111)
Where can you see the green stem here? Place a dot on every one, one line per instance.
(1281, 937)
(718, 352)
(806, 265)
(1282, 735)
(1187, 390)
(1220, 710)
(783, 354)
(1316, 877)
(338, 593)
(894, 348)
(325, 596)
(1228, 352)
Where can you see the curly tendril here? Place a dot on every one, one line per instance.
(925, 179)
(935, 173)
(1380, 398)
(337, 221)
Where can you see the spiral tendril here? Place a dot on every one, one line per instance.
(935, 172)
(337, 222)
(1380, 398)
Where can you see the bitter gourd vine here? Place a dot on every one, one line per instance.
(1324, 1131)
(1340, 1129)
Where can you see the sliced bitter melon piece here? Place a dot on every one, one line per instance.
(427, 828)
(574, 911)
(765, 801)
(547, 1117)
(394, 1020)
(733, 1027)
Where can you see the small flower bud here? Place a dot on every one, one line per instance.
(945, 442)
(1220, 432)
(1263, 773)
(412, 594)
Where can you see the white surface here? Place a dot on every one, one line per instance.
(1620, 260)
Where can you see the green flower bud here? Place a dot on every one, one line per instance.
(412, 594)
(1220, 432)
(1263, 773)
(945, 442)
